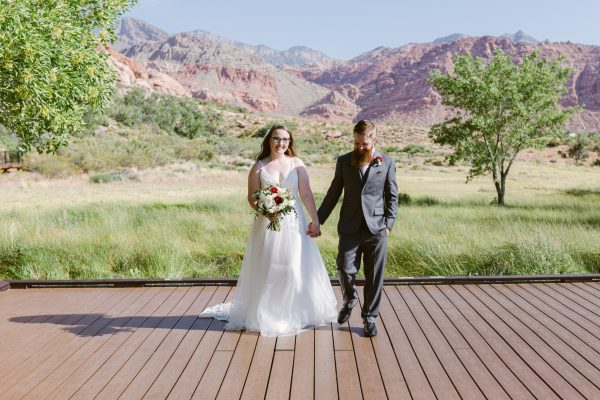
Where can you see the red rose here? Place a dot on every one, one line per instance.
(274, 190)
(278, 199)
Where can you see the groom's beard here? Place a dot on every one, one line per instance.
(360, 158)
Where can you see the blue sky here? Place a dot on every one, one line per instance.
(345, 29)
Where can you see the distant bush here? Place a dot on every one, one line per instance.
(552, 141)
(172, 114)
(426, 201)
(391, 149)
(110, 177)
(404, 198)
(579, 148)
(415, 148)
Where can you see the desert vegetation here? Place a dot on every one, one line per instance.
(155, 187)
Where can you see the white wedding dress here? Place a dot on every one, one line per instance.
(283, 286)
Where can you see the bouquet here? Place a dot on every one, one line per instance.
(274, 202)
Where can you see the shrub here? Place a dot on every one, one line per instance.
(110, 177)
(172, 114)
(579, 148)
(404, 198)
(391, 149)
(415, 148)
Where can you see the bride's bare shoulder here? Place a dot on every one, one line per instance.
(298, 162)
(256, 168)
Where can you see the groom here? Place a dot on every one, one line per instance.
(368, 179)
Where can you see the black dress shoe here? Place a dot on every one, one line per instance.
(370, 329)
(344, 314)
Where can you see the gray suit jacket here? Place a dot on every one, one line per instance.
(375, 197)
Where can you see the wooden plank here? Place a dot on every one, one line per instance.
(413, 373)
(348, 381)
(4, 286)
(341, 333)
(33, 370)
(591, 310)
(209, 385)
(572, 366)
(112, 347)
(565, 307)
(281, 375)
(184, 354)
(389, 366)
(260, 369)
(457, 356)
(591, 298)
(112, 366)
(119, 316)
(437, 376)
(212, 379)
(234, 380)
(484, 323)
(15, 319)
(325, 365)
(119, 382)
(195, 368)
(347, 375)
(591, 287)
(153, 367)
(522, 347)
(562, 300)
(56, 310)
(580, 340)
(285, 343)
(366, 361)
(60, 347)
(455, 326)
(18, 302)
(303, 375)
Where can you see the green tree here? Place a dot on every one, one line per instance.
(502, 108)
(52, 66)
(579, 148)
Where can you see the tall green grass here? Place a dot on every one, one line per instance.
(560, 234)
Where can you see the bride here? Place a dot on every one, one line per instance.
(283, 286)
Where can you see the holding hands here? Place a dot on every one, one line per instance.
(314, 229)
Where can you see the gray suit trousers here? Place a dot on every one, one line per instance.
(372, 249)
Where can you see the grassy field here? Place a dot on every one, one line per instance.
(189, 221)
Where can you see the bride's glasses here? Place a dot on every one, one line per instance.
(280, 140)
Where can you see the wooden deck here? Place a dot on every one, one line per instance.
(436, 341)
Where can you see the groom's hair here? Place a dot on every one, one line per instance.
(365, 127)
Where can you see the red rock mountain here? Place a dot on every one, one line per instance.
(382, 84)
(131, 74)
(393, 85)
(214, 69)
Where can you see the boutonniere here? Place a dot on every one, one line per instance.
(377, 161)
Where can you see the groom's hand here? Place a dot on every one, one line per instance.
(313, 231)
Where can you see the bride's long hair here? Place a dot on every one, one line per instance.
(265, 147)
